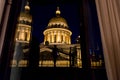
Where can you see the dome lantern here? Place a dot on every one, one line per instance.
(58, 12)
(58, 21)
(27, 7)
(25, 16)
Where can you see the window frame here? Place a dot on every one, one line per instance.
(11, 28)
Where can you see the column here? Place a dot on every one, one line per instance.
(63, 37)
(48, 37)
(59, 39)
(69, 39)
(29, 33)
(52, 36)
(22, 36)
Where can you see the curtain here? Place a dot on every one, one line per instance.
(109, 20)
(5, 20)
(2, 2)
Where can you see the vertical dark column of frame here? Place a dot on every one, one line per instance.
(98, 33)
(86, 65)
(34, 53)
(34, 47)
(8, 44)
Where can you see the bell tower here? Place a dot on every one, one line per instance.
(22, 38)
(24, 25)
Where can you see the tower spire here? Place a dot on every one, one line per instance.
(58, 11)
(27, 7)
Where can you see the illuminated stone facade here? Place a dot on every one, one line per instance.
(63, 58)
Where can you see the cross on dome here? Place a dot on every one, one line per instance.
(27, 7)
(58, 11)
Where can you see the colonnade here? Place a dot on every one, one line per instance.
(23, 32)
(57, 36)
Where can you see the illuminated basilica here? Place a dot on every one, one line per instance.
(57, 33)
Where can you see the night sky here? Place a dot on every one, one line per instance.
(43, 13)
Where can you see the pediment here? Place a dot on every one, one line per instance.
(45, 49)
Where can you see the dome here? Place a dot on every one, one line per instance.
(58, 21)
(57, 31)
(25, 17)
